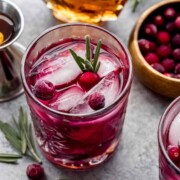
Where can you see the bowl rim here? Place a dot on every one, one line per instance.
(137, 27)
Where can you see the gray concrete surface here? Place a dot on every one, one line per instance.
(137, 155)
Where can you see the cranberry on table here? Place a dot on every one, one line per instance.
(88, 79)
(170, 13)
(146, 46)
(163, 37)
(174, 154)
(151, 58)
(176, 54)
(150, 30)
(158, 20)
(177, 69)
(158, 67)
(177, 22)
(44, 89)
(35, 172)
(96, 101)
(164, 51)
(168, 64)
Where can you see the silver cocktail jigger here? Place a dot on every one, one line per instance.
(11, 54)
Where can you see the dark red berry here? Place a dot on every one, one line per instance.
(168, 64)
(169, 74)
(174, 154)
(158, 67)
(170, 13)
(164, 51)
(150, 30)
(176, 40)
(177, 22)
(96, 101)
(177, 69)
(44, 89)
(158, 20)
(176, 54)
(170, 27)
(151, 58)
(163, 37)
(146, 46)
(88, 79)
(35, 172)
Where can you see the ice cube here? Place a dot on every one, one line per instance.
(60, 69)
(67, 99)
(109, 86)
(108, 62)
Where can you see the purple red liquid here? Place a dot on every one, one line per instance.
(77, 142)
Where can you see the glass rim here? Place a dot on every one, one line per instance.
(21, 22)
(121, 95)
(160, 128)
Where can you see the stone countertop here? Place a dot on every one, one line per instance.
(137, 156)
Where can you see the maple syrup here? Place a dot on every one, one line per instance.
(6, 29)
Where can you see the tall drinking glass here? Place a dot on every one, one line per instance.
(78, 141)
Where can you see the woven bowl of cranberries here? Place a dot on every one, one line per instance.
(155, 48)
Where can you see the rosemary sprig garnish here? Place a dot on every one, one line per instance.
(135, 3)
(21, 139)
(88, 64)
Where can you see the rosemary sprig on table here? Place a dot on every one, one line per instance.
(135, 3)
(88, 64)
(20, 137)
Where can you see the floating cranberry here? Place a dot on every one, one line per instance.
(170, 27)
(96, 101)
(151, 58)
(44, 89)
(158, 20)
(174, 154)
(164, 51)
(163, 37)
(169, 74)
(35, 172)
(150, 30)
(170, 13)
(146, 46)
(168, 64)
(177, 69)
(177, 22)
(176, 54)
(176, 40)
(88, 79)
(158, 67)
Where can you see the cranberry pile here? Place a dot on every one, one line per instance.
(159, 41)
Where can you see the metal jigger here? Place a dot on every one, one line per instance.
(11, 54)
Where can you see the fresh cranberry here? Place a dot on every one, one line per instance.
(169, 74)
(176, 54)
(151, 58)
(170, 27)
(177, 69)
(164, 51)
(158, 67)
(146, 46)
(177, 22)
(96, 101)
(168, 64)
(174, 154)
(170, 13)
(44, 89)
(35, 172)
(88, 79)
(163, 37)
(150, 30)
(158, 20)
(176, 40)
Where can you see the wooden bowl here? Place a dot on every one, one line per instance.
(159, 83)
